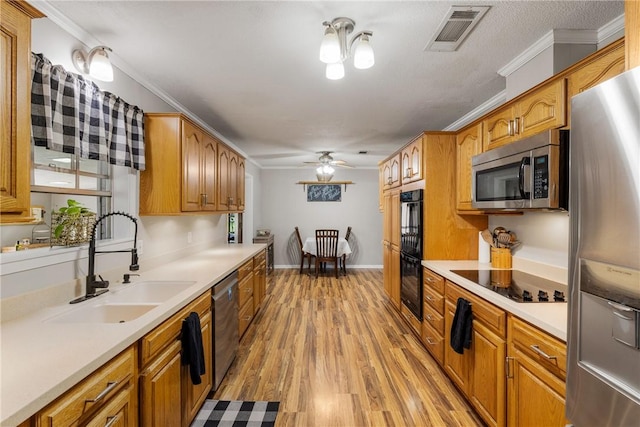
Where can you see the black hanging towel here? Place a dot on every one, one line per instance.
(192, 349)
(461, 326)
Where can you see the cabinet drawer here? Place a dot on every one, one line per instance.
(411, 319)
(118, 412)
(261, 258)
(549, 351)
(245, 316)
(429, 278)
(245, 292)
(92, 393)
(493, 317)
(433, 318)
(434, 299)
(434, 342)
(152, 343)
(245, 269)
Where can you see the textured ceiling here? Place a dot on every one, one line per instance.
(250, 69)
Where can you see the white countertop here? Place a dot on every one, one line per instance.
(551, 317)
(41, 360)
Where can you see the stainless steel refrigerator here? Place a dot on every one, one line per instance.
(603, 379)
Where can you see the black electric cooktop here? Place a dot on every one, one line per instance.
(517, 285)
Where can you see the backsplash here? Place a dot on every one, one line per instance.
(544, 236)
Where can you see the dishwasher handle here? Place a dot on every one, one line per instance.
(225, 288)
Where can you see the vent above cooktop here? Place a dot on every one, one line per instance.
(455, 27)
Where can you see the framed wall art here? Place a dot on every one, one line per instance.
(324, 193)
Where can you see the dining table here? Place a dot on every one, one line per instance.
(311, 248)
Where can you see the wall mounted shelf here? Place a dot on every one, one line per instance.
(305, 183)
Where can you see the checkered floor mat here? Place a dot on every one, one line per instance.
(236, 413)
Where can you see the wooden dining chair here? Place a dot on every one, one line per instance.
(327, 249)
(303, 254)
(343, 258)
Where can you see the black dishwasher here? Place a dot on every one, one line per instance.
(225, 326)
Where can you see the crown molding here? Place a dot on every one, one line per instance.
(565, 37)
(611, 28)
(479, 111)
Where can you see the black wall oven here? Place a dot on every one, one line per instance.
(411, 251)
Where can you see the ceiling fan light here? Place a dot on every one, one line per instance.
(363, 57)
(335, 71)
(330, 46)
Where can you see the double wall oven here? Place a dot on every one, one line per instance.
(411, 251)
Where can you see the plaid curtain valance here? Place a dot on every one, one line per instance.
(72, 115)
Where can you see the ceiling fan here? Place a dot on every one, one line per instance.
(327, 160)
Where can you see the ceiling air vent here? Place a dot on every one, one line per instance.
(456, 25)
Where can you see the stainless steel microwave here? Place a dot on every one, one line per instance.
(529, 174)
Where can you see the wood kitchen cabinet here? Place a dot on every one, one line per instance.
(110, 394)
(15, 113)
(167, 395)
(604, 64)
(391, 172)
(468, 144)
(536, 377)
(480, 371)
(411, 161)
(231, 180)
(181, 164)
(391, 245)
(259, 280)
(245, 296)
(433, 314)
(540, 109)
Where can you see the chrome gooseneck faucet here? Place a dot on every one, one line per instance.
(92, 284)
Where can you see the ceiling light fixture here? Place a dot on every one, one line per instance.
(324, 173)
(334, 49)
(96, 63)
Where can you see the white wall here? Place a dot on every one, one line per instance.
(284, 206)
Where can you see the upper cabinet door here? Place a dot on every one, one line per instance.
(209, 176)
(543, 109)
(223, 177)
(498, 128)
(15, 110)
(469, 143)
(240, 183)
(192, 145)
(412, 161)
(609, 62)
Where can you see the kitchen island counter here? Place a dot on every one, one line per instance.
(549, 317)
(40, 360)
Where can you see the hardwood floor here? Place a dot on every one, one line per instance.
(335, 352)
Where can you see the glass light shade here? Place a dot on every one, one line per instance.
(363, 56)
(324, 173)
(330, 47)
(100, 67)
(335, 71)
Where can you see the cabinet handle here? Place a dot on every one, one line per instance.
(507, 367)
(516, 125)
(110, 386)
(389, 180)
(247, 318)
(111, 421)
(428, 298)
(429, 279)
(510, 128)
(429, 317)
(430, 341)
(542, 353)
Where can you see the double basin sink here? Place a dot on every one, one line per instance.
(123, 305)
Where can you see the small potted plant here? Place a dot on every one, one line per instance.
(71, 224)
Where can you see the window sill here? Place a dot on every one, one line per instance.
(16, 262)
